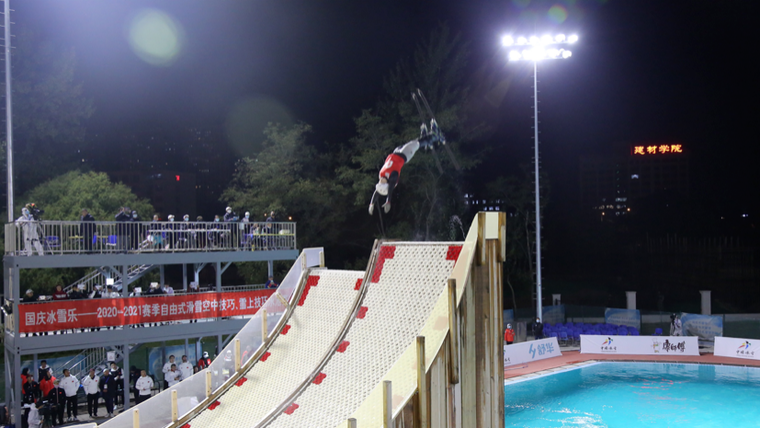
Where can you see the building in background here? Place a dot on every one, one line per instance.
(612, 185)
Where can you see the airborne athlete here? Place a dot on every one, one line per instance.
(391, 170)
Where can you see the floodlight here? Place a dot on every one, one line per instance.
(539, 53)
(527, 54)
(553, 53)
(572, 39)
(566, 54)
(507, 41)
(522, 41)
(546, 39)
(534, 40)
(514, 56)
(560, 38)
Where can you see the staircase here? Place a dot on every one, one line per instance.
(96, 277)
(94, 358)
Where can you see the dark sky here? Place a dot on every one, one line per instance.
(644, 71)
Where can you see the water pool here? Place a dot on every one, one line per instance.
(637, 394)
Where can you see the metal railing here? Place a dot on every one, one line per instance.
(157, 411)
(27, 238)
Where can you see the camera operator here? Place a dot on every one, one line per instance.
(28, 224)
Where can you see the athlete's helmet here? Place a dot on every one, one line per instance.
(205, 355)
(382, 188)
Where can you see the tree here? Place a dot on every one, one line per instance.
(289, 177)
(518, 198)
(63, 197)
(426, 198)
(49, 111)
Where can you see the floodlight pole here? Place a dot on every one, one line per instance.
(8, 112)
(539, 308)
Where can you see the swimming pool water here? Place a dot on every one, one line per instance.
(618, 395)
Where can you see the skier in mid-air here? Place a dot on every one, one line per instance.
(391, 170)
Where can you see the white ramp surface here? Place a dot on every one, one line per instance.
(315, 324)
(407, 281)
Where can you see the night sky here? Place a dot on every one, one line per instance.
(643, 71)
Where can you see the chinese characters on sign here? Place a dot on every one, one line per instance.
(657, 149)
(70, 314)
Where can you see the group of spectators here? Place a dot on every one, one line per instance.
(179, 234)
(51, 398)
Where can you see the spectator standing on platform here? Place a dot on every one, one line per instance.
(122, 217)
(32, 416)
(87, 229)
(28, 226)
(134, 374)
(31, 392)
(538, 329)
(96, 292)
(270, 283)
(70, 385)
(107, 387)
(204, 362)
(118, 377)
(78, 293)
(173, 376)
(136, 231)
(44, 369)
(229, 215)
(186, 368)
(59, 294)
(167, 368)
(91, 386)
(170, 228)
(144, 385)
(509, 335)
(29, 297)
(46, 384)
(57, 399)
(676, 328)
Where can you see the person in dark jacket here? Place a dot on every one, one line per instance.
(538, 329)
(107, 387)
(136, 231)
(122, 217)
(87, 230)
(57, 399)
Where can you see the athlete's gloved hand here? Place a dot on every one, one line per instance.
(387, 206)
(371, 208)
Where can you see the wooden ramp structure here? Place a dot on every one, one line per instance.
(413, 341)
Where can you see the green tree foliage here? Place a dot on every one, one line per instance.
(289, 177)
(518, 197)
(63, 197)
(425, 198)
(49, 111)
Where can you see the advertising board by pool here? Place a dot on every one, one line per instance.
(749, 349)
(639, 345)
(534, 350)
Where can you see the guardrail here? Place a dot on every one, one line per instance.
(28, 238)
(173, 403)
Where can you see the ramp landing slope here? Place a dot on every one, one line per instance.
(406, 281)
(327, 299)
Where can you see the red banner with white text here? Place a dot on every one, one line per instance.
(89, 313)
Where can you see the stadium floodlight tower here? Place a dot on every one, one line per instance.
(537, 49)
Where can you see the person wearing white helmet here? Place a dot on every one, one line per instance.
(509, 335)
(391, 170)
(204, 362)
